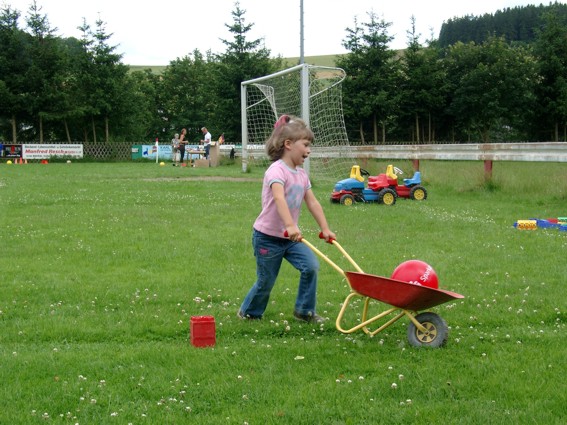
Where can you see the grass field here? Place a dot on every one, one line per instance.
(103, 265)
(322, 60)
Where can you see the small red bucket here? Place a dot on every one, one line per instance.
(202, 329)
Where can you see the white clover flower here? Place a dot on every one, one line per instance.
(394, 386)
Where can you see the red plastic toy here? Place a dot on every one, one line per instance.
(383, 188)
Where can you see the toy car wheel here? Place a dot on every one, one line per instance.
(347, 200)
(436, 333)
(387, 197)
(418, 193)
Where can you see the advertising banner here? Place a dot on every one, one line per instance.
(150, 151)
(45, 151)
(10, 151)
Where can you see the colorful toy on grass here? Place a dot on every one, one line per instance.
(537, 223)
(383, 188)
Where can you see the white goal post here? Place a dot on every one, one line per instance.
(313, 93)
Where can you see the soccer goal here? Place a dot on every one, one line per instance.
(313, 93)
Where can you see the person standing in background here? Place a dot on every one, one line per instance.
(182, 144)
(206, 141)
(175, 149)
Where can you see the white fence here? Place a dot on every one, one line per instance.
(535, 152)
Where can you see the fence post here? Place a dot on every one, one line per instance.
(487, 169)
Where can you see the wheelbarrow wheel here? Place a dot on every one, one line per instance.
(436, 334)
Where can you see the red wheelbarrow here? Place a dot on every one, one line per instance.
(405, 298)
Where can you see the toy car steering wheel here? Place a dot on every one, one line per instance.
(363, 172)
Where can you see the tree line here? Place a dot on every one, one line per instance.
(517, 24)
(68, 89)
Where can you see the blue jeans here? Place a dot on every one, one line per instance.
(269, 252)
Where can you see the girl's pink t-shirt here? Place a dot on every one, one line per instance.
(295, 182)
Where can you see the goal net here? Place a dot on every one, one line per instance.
(313, 93)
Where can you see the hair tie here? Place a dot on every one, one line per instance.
(284, 119)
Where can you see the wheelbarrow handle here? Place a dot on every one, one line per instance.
(342, 250)
(330, 240)
(320, 254)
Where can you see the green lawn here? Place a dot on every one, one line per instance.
(103, 266)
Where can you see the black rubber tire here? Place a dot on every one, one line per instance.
(437, 331)
(387, 196)
(347, 200)
(418, 193)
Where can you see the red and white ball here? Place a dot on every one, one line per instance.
(416, 272)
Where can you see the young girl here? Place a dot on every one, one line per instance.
(285, 187)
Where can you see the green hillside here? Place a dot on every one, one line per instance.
(323, 60)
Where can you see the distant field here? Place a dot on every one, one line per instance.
(156, 69)
(325, 60)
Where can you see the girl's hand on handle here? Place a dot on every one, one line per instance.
(293, 233)
(328, 235)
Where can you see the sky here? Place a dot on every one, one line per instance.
(158, 32)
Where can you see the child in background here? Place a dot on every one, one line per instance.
(286, 186)
(175, 149)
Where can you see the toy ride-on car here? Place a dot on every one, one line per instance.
(383, 188)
